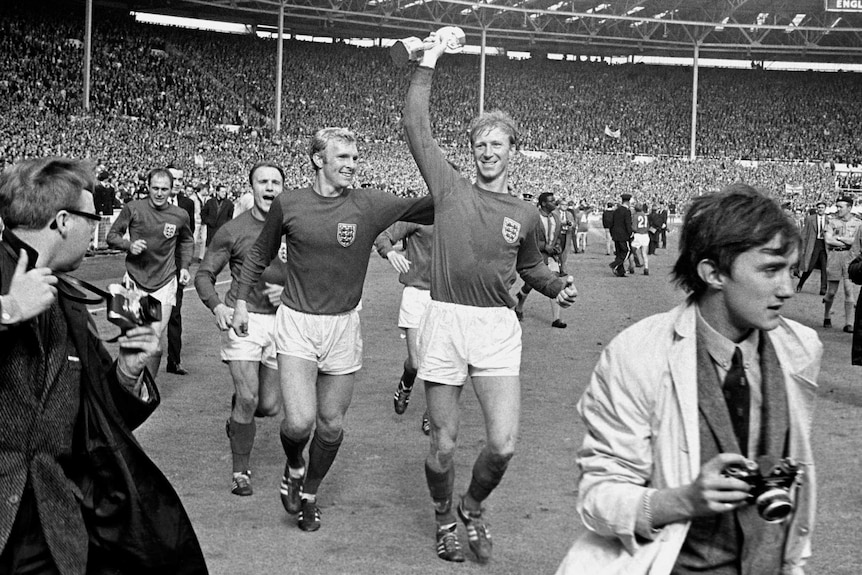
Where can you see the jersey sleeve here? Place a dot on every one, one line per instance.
(115, 237)
(437, 172)
(262, 253)
(531, 265)
(185, 244)
(216, 258)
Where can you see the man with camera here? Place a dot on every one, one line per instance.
(689, 412)
(252, 359)
(160, 242)
(72, 470)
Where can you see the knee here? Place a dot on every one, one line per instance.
(500, 461)
(442, 447)
(329, 429)
(246, 403)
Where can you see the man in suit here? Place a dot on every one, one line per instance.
(662, 224)
(607, 221)
(550, 245)
(621, 234)
(175, 324)
(71, 466)
(216, 212)
(812, 253)
(677, 398)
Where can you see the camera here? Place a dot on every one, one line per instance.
(129, 307)
(770, 492)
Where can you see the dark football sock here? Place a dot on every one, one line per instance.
(241, 441)
(487, 473)
(321, 454)
(408, 377)
(440, 485)
(293, 450)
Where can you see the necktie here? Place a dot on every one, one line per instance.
(738, 396)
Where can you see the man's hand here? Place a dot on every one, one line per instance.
(434, 47)
(239, 322)
(398, 261)
(273, 293)
(223, 316)
(30, 292)
(185, 277)
(138, 247)
(567, 295)
(713, 493)
(136, 346)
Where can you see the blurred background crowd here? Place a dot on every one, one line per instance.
(203, 102)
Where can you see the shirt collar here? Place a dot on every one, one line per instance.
(17, 245)
(721, 349)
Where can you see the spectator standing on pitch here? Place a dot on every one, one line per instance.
(414, 273)
(330, 229)
(482, 236)
(160, 241)
(621, 233)
(68, 408)
(607, 222)
(679, 397)
(551, 245)
(662, 223)
(252, 359)
(175, 324)
(839, 236)
(582, 228)
(813, 253)
(217, 211)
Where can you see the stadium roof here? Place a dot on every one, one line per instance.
(790, 30)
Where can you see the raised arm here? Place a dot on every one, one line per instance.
(416, 119)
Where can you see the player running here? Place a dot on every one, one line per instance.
(482, 237)
(329, 229)
(252, 359)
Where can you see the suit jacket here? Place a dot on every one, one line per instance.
(641, 414)
(67, 432)
(621, 224)
(809, 237)
(213, 216)
(189, 206)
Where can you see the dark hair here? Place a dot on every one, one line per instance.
(160, 172)
(846, 199)
(719, 227)
(626, 197)
(33, 191)
(264, 164)
(543, 197)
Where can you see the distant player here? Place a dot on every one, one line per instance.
(330, 228)
(483, 236)
(414, 272)
(252, 359)
(160, 241)
(640, 243)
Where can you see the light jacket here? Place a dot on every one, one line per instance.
(641, 414)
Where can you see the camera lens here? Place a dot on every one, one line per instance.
(774, 505)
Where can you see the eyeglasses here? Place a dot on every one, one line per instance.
(92, 218)
(88, 215)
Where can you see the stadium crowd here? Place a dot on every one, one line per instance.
(160, 94)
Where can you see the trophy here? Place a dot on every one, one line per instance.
(411, 48)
